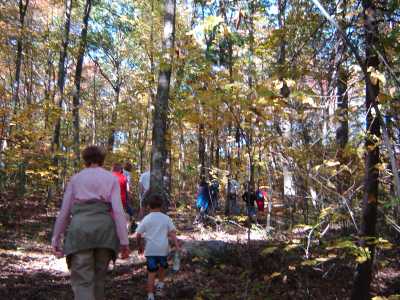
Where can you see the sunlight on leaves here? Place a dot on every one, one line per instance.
(268, 250)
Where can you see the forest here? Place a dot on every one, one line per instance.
(299, 99)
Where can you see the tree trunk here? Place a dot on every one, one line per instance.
(249, 143)
(18, 62)
(341, 78)
(161, 106)
(342, 132)
(217, 147)
(284, 91)
(228, 150)
(77, 82)
(363, 276)
(111, 138)
(61, 78)
(94, 108)
(181, 162)
(202, 152)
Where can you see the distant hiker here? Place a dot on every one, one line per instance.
(249, 197)
(144, 186)
(123, 186)
(155, 228)
(97, 230)
(129, 205)
(260, 199)
(127, 173)
(118, 172)
(214, 194)
(203, 199)
(232, 191)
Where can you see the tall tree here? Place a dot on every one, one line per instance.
(62, 75)
(363, 276)
(77, 81)
(23, 7)
(160, 116)
(340, 78)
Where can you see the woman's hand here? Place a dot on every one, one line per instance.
(125, 251)
(57, 252)
(141, 250)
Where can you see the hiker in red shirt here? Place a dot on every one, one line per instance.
(118, 172)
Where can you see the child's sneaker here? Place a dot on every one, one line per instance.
(160, 289)
(150, 296)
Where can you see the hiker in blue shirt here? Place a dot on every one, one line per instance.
(203, 199)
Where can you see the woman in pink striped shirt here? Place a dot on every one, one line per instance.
(93, 212)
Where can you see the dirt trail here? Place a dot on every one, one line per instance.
(217, 264)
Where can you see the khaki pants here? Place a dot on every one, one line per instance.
(88, 273)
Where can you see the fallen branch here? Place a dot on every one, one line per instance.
(309, 239)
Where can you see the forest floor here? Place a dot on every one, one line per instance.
(218, 262)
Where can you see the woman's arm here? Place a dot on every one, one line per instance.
(63, 218)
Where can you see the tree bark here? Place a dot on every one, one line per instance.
(160, 117)
(77, 82)
(284, 91)
(249, 142)
(217, 148)
(111, 138)
(61, 77)
(341, 78)
(363, 276)
(342, 131)
(23, 7)
(202, 152)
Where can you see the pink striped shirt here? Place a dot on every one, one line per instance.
(91, 183)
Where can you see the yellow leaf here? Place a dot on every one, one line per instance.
(331, 185)
(331, 163)
(268, 250)
(278, 84)
(316, 168)
(290, 247)
(309, 262)
(273, 275)
(309, 100)
(361, 259)
(381, 166)
(384, 97)
(290, 83)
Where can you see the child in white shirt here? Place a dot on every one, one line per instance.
(155, 229)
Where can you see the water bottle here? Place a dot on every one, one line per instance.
(176, 262)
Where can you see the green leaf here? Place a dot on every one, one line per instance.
(310, 262)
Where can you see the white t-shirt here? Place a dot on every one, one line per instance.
(127, 174)
(155, 228)
(144, 181)
(234, 187)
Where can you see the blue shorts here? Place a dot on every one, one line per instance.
(154, 262)
(251, 211)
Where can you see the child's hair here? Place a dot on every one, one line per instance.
(155, 201)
